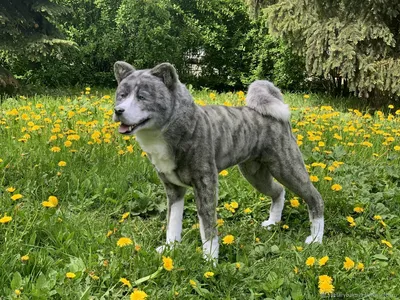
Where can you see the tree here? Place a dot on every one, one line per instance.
(26, 26)
(353, 43)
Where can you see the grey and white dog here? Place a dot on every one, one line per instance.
(190, 144)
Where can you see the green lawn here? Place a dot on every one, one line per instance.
(352, 156)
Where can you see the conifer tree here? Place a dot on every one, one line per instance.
(353, 43)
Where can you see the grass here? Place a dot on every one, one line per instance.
(107, 175)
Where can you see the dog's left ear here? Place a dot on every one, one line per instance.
(167, 73)
(121, 70)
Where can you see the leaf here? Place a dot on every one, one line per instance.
(380, 257)
(41, 282)
(16, 282)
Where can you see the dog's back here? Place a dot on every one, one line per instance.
(267, 99)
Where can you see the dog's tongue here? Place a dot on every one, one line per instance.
(123, 128)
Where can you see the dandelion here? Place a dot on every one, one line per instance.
(167, 263)
(220, 222)
(387, 243)
(138, 295)
(62, 164)
(126, 282)
(208, 274)
(228, 239)
(10, 189)
(348, 263)
(327, 178)
(67, 144)
(314, 178)
(5, 219)
(17, 292)
(285, 226)
(294, 202)
(124, 241)
(192, 283)
(223, 173)
(358, 209)
(360, 267)
(137, 248)
(51, 202)
(296, 270)
(310, 261)
(234, 204)
(247, 211)
(55, 149)
(70, 275)
(336, 187)
(16, 197)
(325, 284)
(377, 218)
(299, 248)
(323, 261)
(306, 96)
(24, 258)
(396, 148)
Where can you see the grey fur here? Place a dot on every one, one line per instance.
(189, 145)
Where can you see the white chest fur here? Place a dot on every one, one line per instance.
(160, 154)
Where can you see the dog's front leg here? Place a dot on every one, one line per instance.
(175, 195)
(206, 194)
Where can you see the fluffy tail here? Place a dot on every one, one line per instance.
(267, 99)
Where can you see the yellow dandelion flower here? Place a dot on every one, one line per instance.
(396, 148)
(10, 189)
(360, 267)
(238, 266)
(377, 218)
(167, 263)
(126, 282)
(327, 178)
(220, 222)
(52, 201)
(137, 248)
(234, 204)
(325, 278)
(296, 270)
(294, 202)
(228, 239)
(336, 187)
(358, 209)
(192, 283)
(285, 226)
(387, 243)
(109, 233)
(124, 241)
(247, 211)
(348, 263)
(16, 197)
(323, 261)
(5, 219)
(314, 178)
(67, 144)
(306, 96)
(62, 164)
(24, 258)
(326, 288)
(299, 248)
(55, 149)
(138, 295)
(208, 274)
(223, 173)
(70, 275)
(310, 261)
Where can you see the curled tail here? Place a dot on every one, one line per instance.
(267, 99)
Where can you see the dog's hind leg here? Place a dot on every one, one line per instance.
(287, 166)
(206, 194)
(175, 195)
(259, 176)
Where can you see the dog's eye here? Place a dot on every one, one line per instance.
(122, 95)
(140, 97)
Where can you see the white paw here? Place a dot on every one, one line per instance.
(268, 224)
(313, 239)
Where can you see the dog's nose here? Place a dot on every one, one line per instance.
(119, 111)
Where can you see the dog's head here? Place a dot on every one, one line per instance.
(144, 98)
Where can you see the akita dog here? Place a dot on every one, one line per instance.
(190, 144)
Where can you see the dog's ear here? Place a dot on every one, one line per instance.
(167, 73)
(122, 70)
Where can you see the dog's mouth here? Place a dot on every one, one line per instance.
(128, 129)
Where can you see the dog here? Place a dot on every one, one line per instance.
(189, 145)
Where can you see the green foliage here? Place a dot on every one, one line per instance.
(99, 183)
(355, 44)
